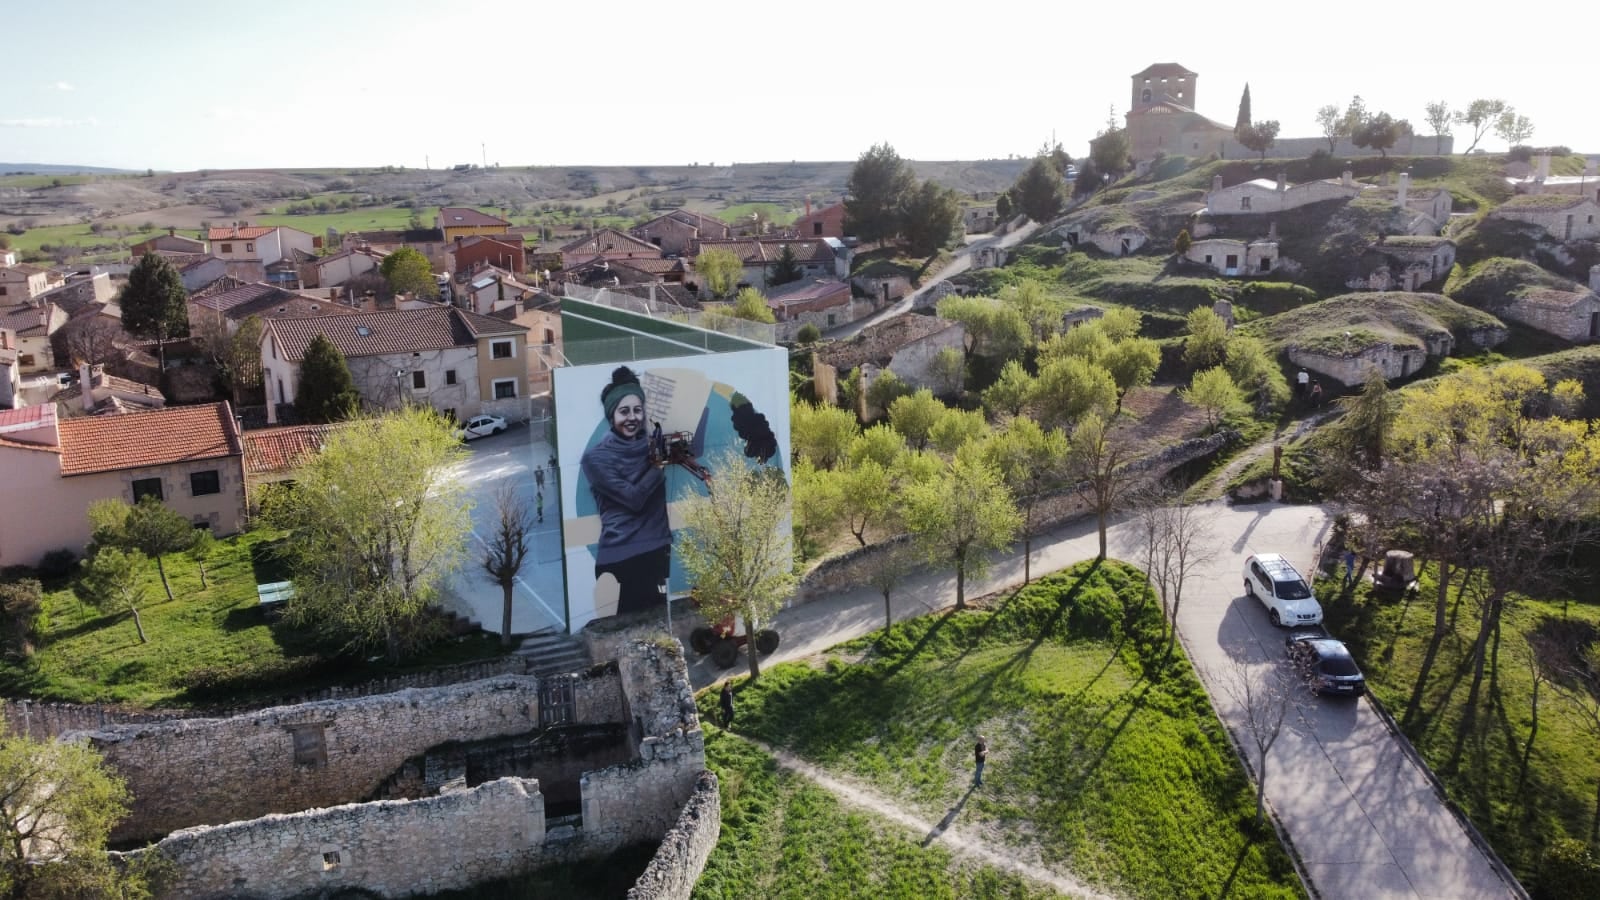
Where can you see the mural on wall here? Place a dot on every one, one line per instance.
(642, 435)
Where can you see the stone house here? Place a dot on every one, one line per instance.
(823, 302)
(1565, 217)
(337, 268)
(459, 221)
(680, 231)
(1570, 315)
(81, 291)
(189, 457)
(1102, 229)
(991, 256)
(33, 327)
(1403, 263)
(1260, 195)
(1227, 256)
(1538, 180)
(980, 219)
(458, 362)
(171, 242)
(250, 250)
(816, 257)
(199, 271)
(827, 221)
(23, 282)
(503, 251)
(98, 393)
(905, 345)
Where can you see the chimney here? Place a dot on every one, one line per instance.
(1543, 161)
(1216, 182)
(1283, 182)
(172, 232)
(1347, 178)
(1594, 278)
(86, 384)
(1272, 230)
(1400, 193)
(808, 206)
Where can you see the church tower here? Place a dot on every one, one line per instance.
(1163, 83)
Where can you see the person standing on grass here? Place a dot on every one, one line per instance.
(980, 755)
(727, 704)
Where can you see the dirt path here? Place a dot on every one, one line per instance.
(957, 840)
(1259, 449)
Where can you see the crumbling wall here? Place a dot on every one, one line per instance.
(289, 758)
(682, 855)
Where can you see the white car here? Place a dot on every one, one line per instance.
(480, 426)
(1268, 577)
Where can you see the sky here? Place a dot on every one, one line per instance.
(293, 84)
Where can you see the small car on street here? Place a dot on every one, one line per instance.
(1325, 663)
(481, 426)
(1270, 578)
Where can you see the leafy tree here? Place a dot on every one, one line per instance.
(955, 428)
(821, 433)
(156, 530)
(1355, 115)
(1512, 128)
(1260, 137)
(786, 269)
(1109, 153)
(993, 329)
(1009, 394)
(1439, 116)
(1069, 388)
(21, 601)
(1482, 115)
(1088, 180)
(960, 517)
(200, 549)
(1031, 462)
(736, 547)
(885, 389)
(326, 392)
(1255, 371)
(880, 443)
(1040, 192)
(1002, 206)
(1331, 120)
(1098, 458)
(751, 306)
(809, 333)
(507, 549)
(1132, 364)
(867, 496)
(876, 194)
(114, 583)
(1059, 160)
(154, 304)
(409, 272)
(1207, 343)
(1213, 391)
(931, 220)
(1040, 308)
(369, 552)
(1368, 419)
(1380, 132)
(946, 370)
(58, 804)
(720, 270)
(914, 414)
(1242, 123)
(1182, 243)
(819, 505)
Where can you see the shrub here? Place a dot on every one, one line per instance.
(20, 605)
(808, 334)
(1570, 871)
(58, 563)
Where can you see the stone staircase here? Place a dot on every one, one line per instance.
(553, 653)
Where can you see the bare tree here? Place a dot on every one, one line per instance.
(1097, 457)
(888, 570)
(1177, 537)
(507, 551)
(1579, 686)
(1262, 699)
(91, 339)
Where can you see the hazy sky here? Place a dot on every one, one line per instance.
(353, 83)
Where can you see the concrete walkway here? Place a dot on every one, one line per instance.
(1361, 812)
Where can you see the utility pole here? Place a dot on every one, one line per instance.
(485, 149)
(426, 162)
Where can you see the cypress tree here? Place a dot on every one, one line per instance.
(326, 392)
(1243, 124)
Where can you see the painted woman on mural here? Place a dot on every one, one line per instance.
(633, 556)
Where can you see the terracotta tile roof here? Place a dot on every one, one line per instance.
(267, 301)
(462, 217)
(652, 266)
(26, 269)
(143, 439)
(25, 320)
(1164, 70)
(221, 285)
(269, 450)
(707, 224)
(609, 240)
(513, 244)
(26, 417)
(878, 343)
(231, 233)
(387, 331)
(756, 252)
(226, 299)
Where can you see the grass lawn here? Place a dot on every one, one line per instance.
(371, 218)
(93, 245)
(1520, 813)
(1103, 760)
(207, 647)
(34, 182)
(741, 212)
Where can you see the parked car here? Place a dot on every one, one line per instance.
(1325, 663)
(1268, 577)
(481, 426)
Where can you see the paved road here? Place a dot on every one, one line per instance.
(961, 262)
(1361, 813)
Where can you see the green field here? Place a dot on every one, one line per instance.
(373, 218)
(107, 245)
(741, 212)
(34, 182)
(1105, 760)
(211, 646)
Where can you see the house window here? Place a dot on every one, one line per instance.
(449, 376)
(1244, 202)
(2, 290)
(501, 350)
(330, 860)
(1266, 264)
(147, 487)
(203, 483)
(1208, 259)
(549, 336)
(1145, 96)
(505, 389)
(816, 227)
(25, 360)
(249, 248)
(830, 320)
(227, 248)
(310, 744)
(419, 380)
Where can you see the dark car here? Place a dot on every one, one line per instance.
(1326, 664)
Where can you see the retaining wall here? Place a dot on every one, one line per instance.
(681, 859)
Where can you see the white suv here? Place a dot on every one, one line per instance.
(1268, 577)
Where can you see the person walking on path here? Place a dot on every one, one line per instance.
(538, 477)
(1349, 565)
(727, 704)
(980, 755)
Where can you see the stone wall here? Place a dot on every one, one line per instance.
(394, 848)
(211, 771)
(683, 852)
(597, 693)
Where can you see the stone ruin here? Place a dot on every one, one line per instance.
(427, 789)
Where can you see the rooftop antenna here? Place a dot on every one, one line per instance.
(485, 149)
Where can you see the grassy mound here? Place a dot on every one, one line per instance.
(1495, 282)
(1393, 317)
